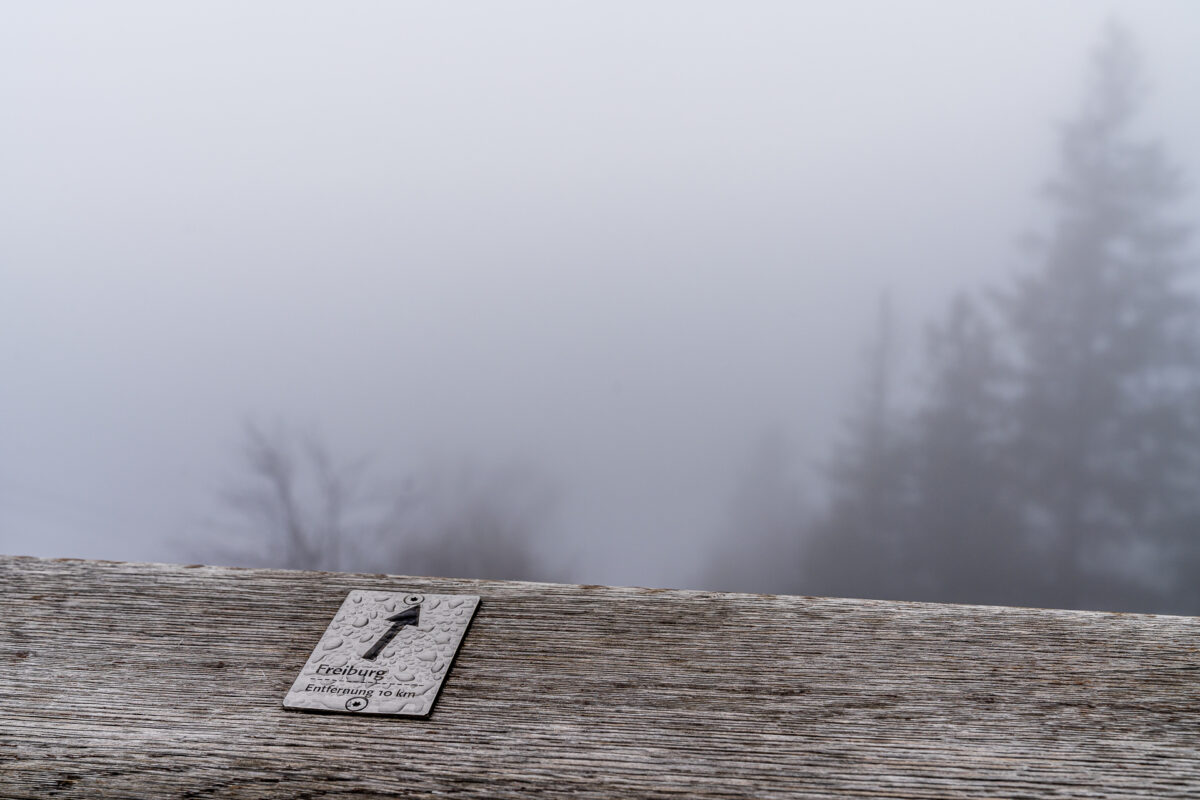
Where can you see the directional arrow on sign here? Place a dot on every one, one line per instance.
(409, 616)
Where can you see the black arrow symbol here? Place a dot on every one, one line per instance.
(409, 616)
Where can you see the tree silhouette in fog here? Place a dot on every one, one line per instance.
(461, 519)
(857, 547)
(1105, 436)
(1053, 457)
(964, 540)
(296, 506)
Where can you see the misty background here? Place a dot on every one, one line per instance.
(631, 293)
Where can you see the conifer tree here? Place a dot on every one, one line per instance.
(964, 544)
(856, 547)
(1104, 350)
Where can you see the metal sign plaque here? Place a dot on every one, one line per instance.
(384, 653)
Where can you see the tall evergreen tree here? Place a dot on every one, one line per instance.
(1055, 457)
(1105, 349)
(964, 544)
(856, 547)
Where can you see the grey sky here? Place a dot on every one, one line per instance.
(616, 240)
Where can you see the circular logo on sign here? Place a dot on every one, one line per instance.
(356, 704)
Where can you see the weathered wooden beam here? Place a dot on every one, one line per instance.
(145, 680)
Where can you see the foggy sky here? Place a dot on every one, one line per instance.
(614, 240)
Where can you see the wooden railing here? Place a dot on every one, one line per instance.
(147, 680)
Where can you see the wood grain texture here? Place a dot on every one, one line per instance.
(141, 680)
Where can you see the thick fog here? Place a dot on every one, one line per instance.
(590, 259)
